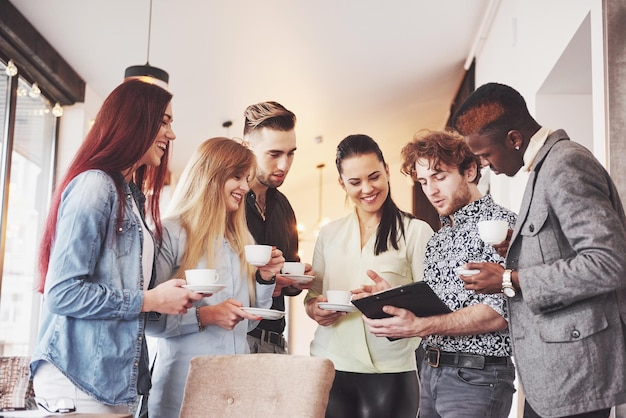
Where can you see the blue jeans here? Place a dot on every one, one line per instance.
(451, 392)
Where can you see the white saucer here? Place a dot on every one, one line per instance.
(467, 272)
(209, 288)
(264, 313)
(492, 242)
(299, 278)
(337, 307)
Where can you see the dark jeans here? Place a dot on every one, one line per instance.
(529, 412)
(373, 395)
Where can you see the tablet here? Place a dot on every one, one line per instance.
(417, 297)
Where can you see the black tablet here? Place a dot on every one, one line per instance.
(417, 297)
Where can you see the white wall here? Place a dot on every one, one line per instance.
(76, 122)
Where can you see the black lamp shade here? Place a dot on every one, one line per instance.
(149, 74)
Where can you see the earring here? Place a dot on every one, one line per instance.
(517, 148)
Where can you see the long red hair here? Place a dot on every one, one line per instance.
(125, 128)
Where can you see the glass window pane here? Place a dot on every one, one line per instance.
(30, 170)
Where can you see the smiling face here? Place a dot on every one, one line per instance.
(366, 180)
(274, 151)
(446, 188)
(235, 190)
(159, 147)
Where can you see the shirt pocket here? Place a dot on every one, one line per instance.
(395, 275)
(540, 239)
(124, 237)
(573, 324)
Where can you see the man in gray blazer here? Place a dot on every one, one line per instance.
(565, 274)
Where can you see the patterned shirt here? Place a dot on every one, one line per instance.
(451, 247)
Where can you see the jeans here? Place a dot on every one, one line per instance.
(450, 392)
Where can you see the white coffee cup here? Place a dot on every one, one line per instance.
(293, 267)
(258, 255)
(493, 231)
(201, 277)
(338, 297)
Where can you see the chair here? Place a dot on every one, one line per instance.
(16, 388)
(257, 385)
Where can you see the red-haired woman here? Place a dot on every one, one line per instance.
(97, 257)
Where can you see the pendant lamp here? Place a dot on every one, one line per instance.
(148, 73)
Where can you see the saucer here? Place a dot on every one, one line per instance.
(208, 288)
(299, 278)
(336, 307)
(467, 272)
(264, 313)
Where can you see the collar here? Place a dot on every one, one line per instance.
(467, 212)
(534, 145)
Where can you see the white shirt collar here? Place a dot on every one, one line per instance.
(534, 145)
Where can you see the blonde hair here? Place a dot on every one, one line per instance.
(198, 203)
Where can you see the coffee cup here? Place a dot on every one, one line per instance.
(293, 267)
(201, 277)
(493, 231)
(258, 255)
(338, 297)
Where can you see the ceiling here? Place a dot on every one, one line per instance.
(382, 68)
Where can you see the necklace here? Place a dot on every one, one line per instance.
(260, 208)
(371, 225)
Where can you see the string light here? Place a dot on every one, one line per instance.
(11, 69)
(57, 110)
(35, 91)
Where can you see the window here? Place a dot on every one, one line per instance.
(29, 160)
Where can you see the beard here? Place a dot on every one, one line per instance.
(461, 197)
(265, 180)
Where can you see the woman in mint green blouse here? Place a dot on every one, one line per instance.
(374, 376)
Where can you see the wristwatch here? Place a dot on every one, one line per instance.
(507, 284)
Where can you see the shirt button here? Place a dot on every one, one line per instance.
(119, 229)
(531, 228)
(575, 334)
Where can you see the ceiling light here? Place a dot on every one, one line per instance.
(148, 73)
(11, 69)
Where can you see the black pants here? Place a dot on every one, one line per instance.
(603, 413)
(371, 395)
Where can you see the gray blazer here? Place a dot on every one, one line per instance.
(569, 246)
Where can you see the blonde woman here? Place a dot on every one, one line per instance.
(205, 227)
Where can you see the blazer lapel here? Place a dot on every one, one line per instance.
(532, 178)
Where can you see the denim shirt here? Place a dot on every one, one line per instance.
(92, 325)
